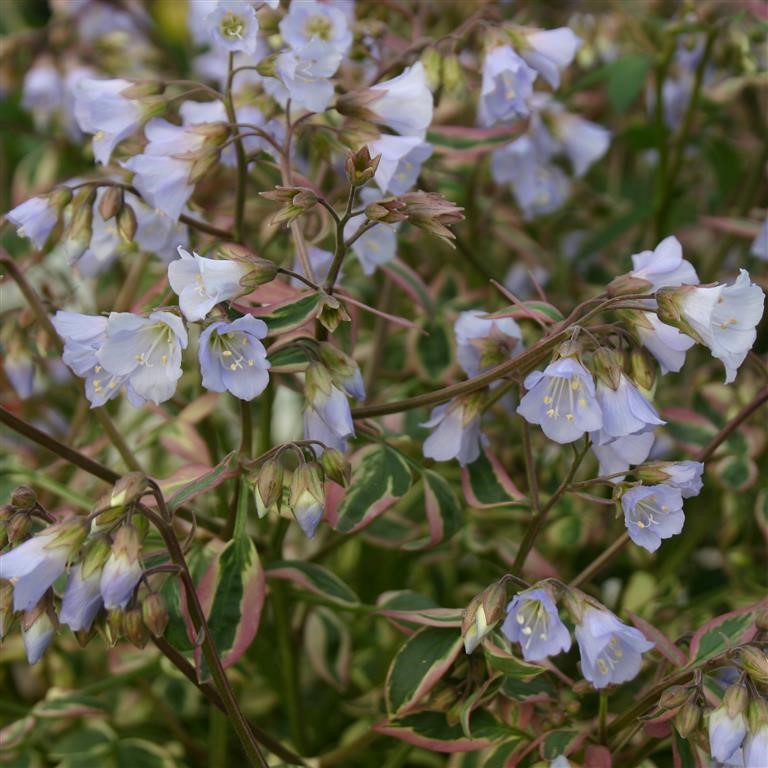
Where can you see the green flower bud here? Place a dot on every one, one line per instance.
(111, 202)
(688, 718)
(154, 612)
(23, 498)
(134, 629)
(336, 466)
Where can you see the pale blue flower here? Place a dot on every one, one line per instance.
(37, 631)
(533, 621)
(233, 358)
(611, 652)
(549, 51)
(233, 26)
(320, 260)
(663, 341)
(376, 247)
(482, 342)
(309, 21)
(760, 245)
(122, 570)
(20, 370)
(683, 475)
(625, 410)
(619, 454)
(82, 599)
(561, 399)
(399, 162)
(664, 266)
(756, 747)
(405, 103)
(146, 350)
(327, 416)
(726, 733)
(652, 513)
(507, 85)
(34, 219)
(456, 433)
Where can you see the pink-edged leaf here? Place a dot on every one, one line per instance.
(540, 311)
(329, 647)
(203, 479)
(560, 742)
(442, 510)
(199, 408)
(419, 665)
(232, 595)
(663, 644)
(484, 693)
(597, 757)
(286, 315)
(508, 663)
(684, 753)
(486, 483)
(722, 633)
(14, 734)
(430, 730)
(411, 283)
(396, 319)
(411, 608)
(180, 438)
(745, 228)
(380, 476)
(692, 430)
(315, 579)
(61, 704)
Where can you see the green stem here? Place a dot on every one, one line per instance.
(266, 404)
(341, 247)
(218, 735)
(603, 716)
(246, 430)
(242, 160)
(599, 562)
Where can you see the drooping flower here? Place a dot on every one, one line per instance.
(506, 88)
(145, 350)
(344, 371)
(122, 570)
(405, 103)
(625, 410)
(457, 432)
(652, 513)
(533, 621)
(549, 51)
(726, 733)
(482, 342)
(233, 358)
(683, 475)
(319, 260)
(756, 743)
(82, 599)
(35, 218)
(722, 317)
(309, 21)
(373, 248)
(664, 266)
(617, 455)
(37, 630)
(41, 91)
(327, 416)
(665, 343)
(202, 283)
(39, 561)
(307, 499)
(400, 161)
(561, 399)
(233, 26)
(611, 652)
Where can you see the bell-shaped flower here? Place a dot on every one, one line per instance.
(145, 350)
(664, 342)
(457, 432)
(122, 570)
(37, 630)
(36, 563)
(344, 371)
(683, 475)
(233, 26)
(103, 109)
(327, 416)
(533, 621)
(35, 218)
(611, 652)
(584, 142)
(307, 499)
(404, 103)
(625, 410)
(506, 87)
(202, 283)
(42, 91)
(482, 342)
(664, 266)
(760, 245)
(309, 21)
(232, 357)
(20, 370)
(722, 317)
(82, 598)
(373, 248)
(652, 513)
(549, 51)
(561, 399)
(756, 746)
(726, 733)
(399, 162)
(617, 455)
(320, 261)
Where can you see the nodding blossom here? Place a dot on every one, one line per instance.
(373, 248)
(664, 266)
(482, 342)
(319, 260)
(549, 51)
(652, 513)
(233, 26)
(611, 652)
(722, 317)
(122, 570)
(82, 598)
(683, 475)
(309, 21)
(36, 563)
(405, 102)
(35, 219)
(756, 746)
(506, 88)
(533, 622)
(760, 245)
(561, 399)
(665, 343)
(625, 410)
(37, 631)
(233, 358)
(456, 433)
(145, 350)
(399, 162)
(327, 416)
(727, 730)
(202, 283)
(617, 455)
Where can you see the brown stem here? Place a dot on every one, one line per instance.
(598, 563)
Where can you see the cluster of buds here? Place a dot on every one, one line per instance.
(16, 516)
(361, 167)
(429, 211)
(113, 206)
(300, 493)
(295, 201)
(259, 271)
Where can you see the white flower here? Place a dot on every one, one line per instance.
(618, 455)
(550, 50)
(722, 317)
(406, 104)
(506, 88)
(625, 410)
(663, 341)
(400, 161)
(233, 26)
(202, 283)
(308, 20)
(664, 266)
(457, 431)
(760, 246)
(375, 247)
(482, 342)
(42, 91)
(35, 219)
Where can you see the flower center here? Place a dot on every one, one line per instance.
(318, 26)
(533, 619)
(232, 26)
(562, 396)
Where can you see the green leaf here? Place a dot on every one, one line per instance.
(287, 316)
(315, 579)
(486, 483)
(720, 635)
(59, 704)
(525, 690)
(499, 758)
(380, 476)
(442, 509)
(232, 595)
(410, 609)
(626, 78)
(288, 359)
(509, 664)
(224, 470)
(419, 665)
(329, 647)
(736, 473)
(433, 351)
(92, 739)
(139, 753)
(557, 743)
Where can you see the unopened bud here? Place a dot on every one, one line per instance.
(111, 202)
(625, 285)
(295, 200)
(6, 510)
(736, 700)
(482, 614)
(134, 629)
(336, 466)
(18, 527)
(361, 167)
(674, 697)
(60, 198)
(203, 164)
(23, 497)
(389, 211)
(126, 223)
(6, 607)
(142, 89)
(114, 626)
(260, 271)
(215, 134)
(332, 313)
(606, 365)
(308, 497)
(127, 490)
(267, 66)
(95, 555)
(644, 369)
(269, 487)
(688, 718)
(154, 612)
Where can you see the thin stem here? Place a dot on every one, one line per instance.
(242, 160)
(246, 430)
(301, 278)
(341, 246)
(530, 466)
(265, 432)
(603, 716)
(599, 562)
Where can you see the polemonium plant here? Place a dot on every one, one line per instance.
(652, 513)
(533, 622)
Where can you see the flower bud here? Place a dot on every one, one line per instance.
(154, 612)
(389, 211)
(735, 700)
(482, 614)
(295, 200)
(643, 369)
(267, 66)
(6, 510)
(77, 236)
(111, 202)
(60, 198)
(336, 466)
(95, 555)
(18, 527)
(332, 313)
(127, 490)
(431, 212)
(261, 271)
(607, 367)
(142, 89)
(356, 104)
(361, 167)
(626, 285)
(134, 629)
(6, 607)
(269, 487)
(83, 636)
(37, 630)
(688, 718)
(308, 497)
(114, 626)
(674, 697)
(23, 498)
(202, 165)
